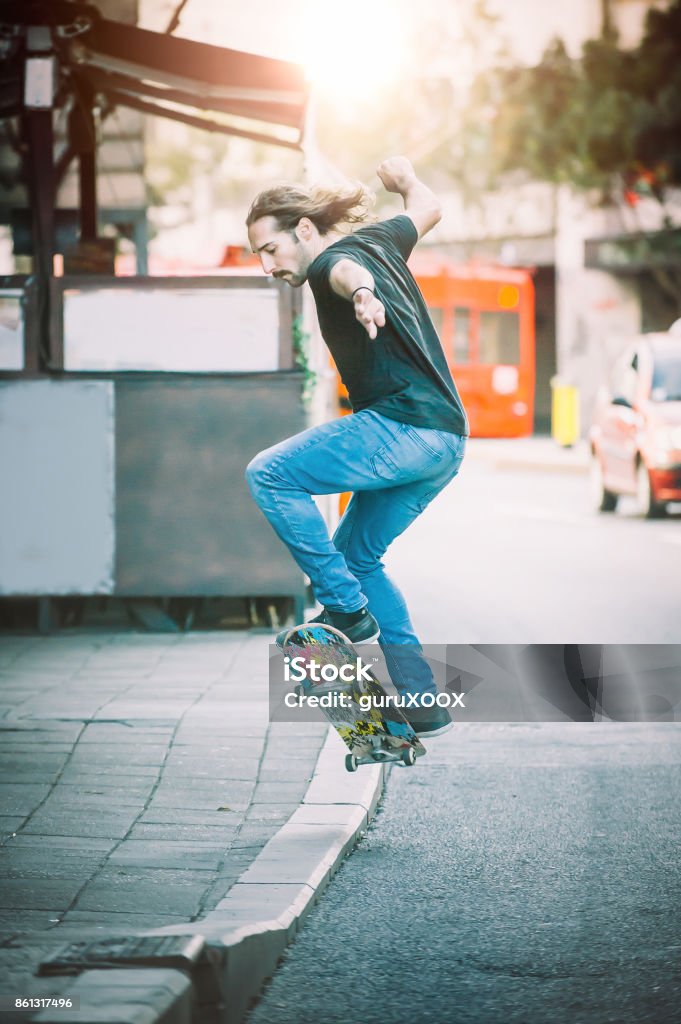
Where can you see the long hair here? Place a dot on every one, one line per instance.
(326, 208)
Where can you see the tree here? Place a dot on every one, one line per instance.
(610, 116)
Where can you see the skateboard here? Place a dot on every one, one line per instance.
(375, 733)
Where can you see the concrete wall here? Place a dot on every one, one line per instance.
(57, 468)
(135, 486)
(599, 311)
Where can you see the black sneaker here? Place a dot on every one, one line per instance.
(359, 627)
(429, 721)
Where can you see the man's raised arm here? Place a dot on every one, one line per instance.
(421, 205)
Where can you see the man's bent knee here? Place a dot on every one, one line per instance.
(360, 569)
(257, 473)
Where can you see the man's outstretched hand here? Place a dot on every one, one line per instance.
(356, 284)
(370, 311)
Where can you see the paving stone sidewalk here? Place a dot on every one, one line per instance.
(139, 778)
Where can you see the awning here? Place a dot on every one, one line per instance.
(211, 87)
(635, 253)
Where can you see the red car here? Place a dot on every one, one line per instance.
(635, 438)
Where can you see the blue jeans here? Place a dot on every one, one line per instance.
(394, 471)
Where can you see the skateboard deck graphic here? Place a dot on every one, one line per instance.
(376, 734)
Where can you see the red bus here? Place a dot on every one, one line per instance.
(484, 316)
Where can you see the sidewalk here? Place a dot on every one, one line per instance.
(529, 453)
(144, 791)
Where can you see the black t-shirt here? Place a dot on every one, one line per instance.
(402, 373)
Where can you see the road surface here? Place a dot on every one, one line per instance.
(517, 556)
(519, 873)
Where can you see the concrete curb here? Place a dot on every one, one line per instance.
(247, 933)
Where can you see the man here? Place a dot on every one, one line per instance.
(405, 439)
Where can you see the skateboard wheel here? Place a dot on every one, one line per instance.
(409, 757)
(350, 763)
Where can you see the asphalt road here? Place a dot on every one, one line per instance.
(520, 874)
(517, 556)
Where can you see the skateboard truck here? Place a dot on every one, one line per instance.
(379, 755)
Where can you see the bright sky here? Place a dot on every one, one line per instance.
(326, 34)
(357, 44)
(258, 26)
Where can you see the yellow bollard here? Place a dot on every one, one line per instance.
(564, 413)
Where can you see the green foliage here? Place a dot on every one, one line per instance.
(611, 112)
(301, 345)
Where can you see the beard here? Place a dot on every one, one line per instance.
(292, 278)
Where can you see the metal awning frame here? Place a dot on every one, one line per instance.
(104, 64)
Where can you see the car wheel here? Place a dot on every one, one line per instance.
(647, 505)
(602, 499)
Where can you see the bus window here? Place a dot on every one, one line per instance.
(462, 333)
(437, 315)
(499, 338)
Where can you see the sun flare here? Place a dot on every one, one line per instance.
(353, 48)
